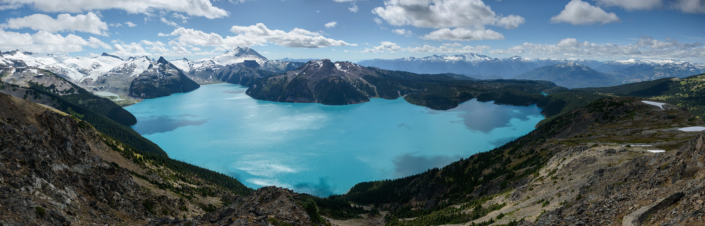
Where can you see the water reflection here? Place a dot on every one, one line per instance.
(486, 116)
(161, 124)
(408, 164)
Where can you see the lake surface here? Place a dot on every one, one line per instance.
(321, 149)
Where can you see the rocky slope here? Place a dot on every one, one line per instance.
(57, 170)
(570, 75)
(161, 79)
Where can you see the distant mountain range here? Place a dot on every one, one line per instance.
(109, 73)
(478, 66)
(570, 75)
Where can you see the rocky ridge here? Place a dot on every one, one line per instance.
(56, 169)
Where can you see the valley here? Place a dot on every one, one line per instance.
(531, 152)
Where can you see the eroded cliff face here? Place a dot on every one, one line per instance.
(58, 170)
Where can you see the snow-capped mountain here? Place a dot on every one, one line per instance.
(218, 68)
(115, 74)
(80, 69)
(481, 65)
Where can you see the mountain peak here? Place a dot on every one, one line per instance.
(108, 55)
(244, 51)
(162, 61)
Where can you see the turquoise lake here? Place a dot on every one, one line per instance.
(319, 149)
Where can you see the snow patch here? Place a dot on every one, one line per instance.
(656, 151)
(692, 129)
(657, 104)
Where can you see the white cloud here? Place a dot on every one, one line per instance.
(89, 23)
(183, 18)
(331, 24)
(462, 34)
(577, 12)
(378, 21)
(169, 22)
(115, 25)
(446, 48)
(690, 6)
(149, 48)
(45, 42)
(353, 8)
(257, 34)
(130, 24)
(202, 8)
(633, 4)
(443, 14)
(645, 47)
(403, 32)
(385, 46)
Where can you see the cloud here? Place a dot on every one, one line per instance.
(45, 42)
(170, 23)
(443, 14)
(257, 34)
(446, 48)
(462, 34)
(378, 21)
(577, 12)
(89, 23)
(385, 46)
(331, 24)
(149, 48)
(353, 8)
(403, 32)
(130, 24)
(115, 25)
(690, 6)
(183, 18)
(632, 4)
(645, 47)
(201, 8)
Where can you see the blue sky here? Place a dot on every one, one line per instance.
(589, 29)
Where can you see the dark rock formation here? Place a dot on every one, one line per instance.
(161, 79)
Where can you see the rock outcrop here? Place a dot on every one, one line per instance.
(161, 79)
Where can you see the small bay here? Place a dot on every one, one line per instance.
(321, 149)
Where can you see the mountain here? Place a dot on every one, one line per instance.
(625, 71)
(222, 68)
(343, 83)
(570, 75)
(652, 71)
(471, 64)
(118, 79)
(298, 60)
(58, 170)
(160, 79)
(319, 81)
